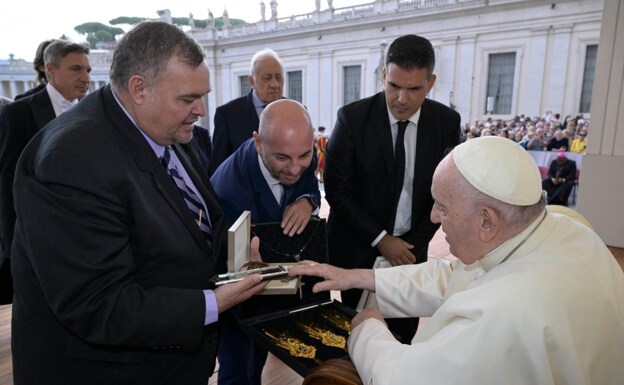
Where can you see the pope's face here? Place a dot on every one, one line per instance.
(406, 90)
(459, 222)
(172, 105)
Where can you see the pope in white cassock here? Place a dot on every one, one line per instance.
(535, 296)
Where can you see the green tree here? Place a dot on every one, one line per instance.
(98, 33)
(127, 20)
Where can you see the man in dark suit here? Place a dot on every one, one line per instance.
(560, 181)
(235, 121)
(271, 175)
(381, 206)
(113, 253)
(67, 66)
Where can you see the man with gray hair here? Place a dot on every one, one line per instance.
(67, 69)
(235, 121)
(534, 297)
(118, 232)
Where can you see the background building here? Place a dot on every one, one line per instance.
(495, 58)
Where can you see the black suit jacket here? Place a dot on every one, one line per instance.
(19, 122)
(234, 123)
(359, 178)
(108, 264)
(31, 91)
(567, 170)
(202, 147)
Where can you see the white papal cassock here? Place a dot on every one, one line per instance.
(553, 313)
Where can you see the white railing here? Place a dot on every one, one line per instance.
(411, 4)
(325, 16)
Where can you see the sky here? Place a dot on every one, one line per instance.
(24, 24)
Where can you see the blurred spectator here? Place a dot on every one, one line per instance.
(559, 142)
(537, 142)
(560, 180)
(38, 64)
(320, 144)
(579, 144)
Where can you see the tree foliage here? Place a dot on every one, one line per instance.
(127, 20)
(98, 33)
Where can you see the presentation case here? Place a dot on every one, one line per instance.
(277, 248)
(303, 329)
(305, 337)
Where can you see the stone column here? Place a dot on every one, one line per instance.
(601, 180)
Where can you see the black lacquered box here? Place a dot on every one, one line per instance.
(311, 244)
(304, 337)
(278, 248)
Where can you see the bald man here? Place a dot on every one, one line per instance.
(521, 304)
(271, 175)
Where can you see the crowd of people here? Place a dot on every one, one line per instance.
(116, 206)
(548, 132)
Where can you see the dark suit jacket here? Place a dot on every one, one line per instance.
(241, 186)
(234, 123)
(31, 91)
(109, 266)
(359, 178)
(19, 122)
(567, 170)
(202, 147)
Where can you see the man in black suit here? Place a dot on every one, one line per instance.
(113, 253)
(235, 121)
(67, 67)
(560, 181)
(379, 207)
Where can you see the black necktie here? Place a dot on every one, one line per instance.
(190, 198)
(399, 156)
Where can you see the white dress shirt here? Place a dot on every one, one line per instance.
(59, 103)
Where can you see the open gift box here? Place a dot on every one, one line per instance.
(276, 248)
(304, 337)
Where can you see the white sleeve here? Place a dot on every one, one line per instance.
(412, 290)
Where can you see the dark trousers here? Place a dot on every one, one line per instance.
(403, 328)
(557, 194)
(241, 360)
(6, 283)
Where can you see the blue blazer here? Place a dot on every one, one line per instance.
(240, 185)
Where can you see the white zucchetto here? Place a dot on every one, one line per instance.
(500, 168)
